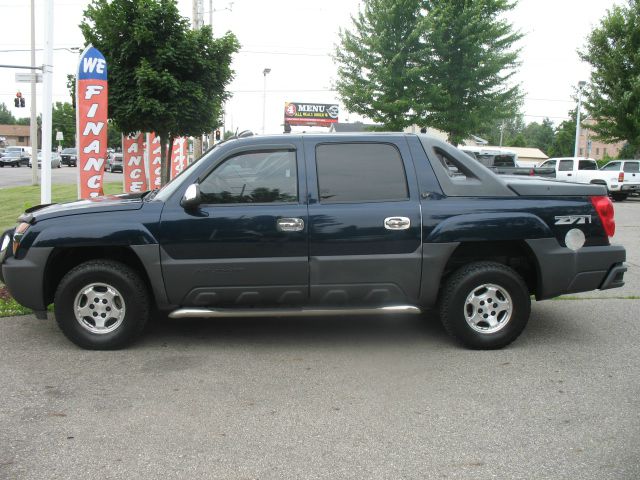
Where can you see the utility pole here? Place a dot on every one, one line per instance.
(33, 128)
(581, 85)
(265, 72)
(47, 95)
(197, 21)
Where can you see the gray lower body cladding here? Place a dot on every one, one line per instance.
(562, 270)
(24, 277)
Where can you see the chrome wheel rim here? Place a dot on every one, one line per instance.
(488, 308)
(99, 308)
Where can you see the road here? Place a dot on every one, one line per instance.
(15, 177)
(335, 398)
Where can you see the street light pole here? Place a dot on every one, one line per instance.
(47, 98)
(33, 129)
(581, 85)
(264, 98)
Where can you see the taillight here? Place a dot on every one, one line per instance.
(604, 207)
(532, 173)
(621, 177)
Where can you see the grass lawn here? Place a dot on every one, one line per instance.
(15, 200)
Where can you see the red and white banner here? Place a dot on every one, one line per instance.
(133, 164)
(91, 121)
(178, 156)
(155, 161)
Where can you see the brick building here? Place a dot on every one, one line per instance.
(589, 147)
(14, 136)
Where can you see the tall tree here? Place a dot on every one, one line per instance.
(613, 95)
(539, 135)
(63, 119)
(6, 117)
(564, 137)
(378, 62)
(467, 67)
(163, 76)
(441, 63)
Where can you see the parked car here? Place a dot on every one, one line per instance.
(69, 157)
(55, 160)
(585, 170)
(358, 224)
(114, 163)
(11, 159)
(504, 162)
(24, 153)
(623, 178)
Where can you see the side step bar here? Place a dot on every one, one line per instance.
(291, 312)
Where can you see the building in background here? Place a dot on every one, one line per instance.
(14, 136)
(589, 147)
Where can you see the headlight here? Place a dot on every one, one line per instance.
(18, 234)
(4, 246)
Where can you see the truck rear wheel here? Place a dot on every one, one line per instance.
(619, 197)
(102, 305)
(485, 305)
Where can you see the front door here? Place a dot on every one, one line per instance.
(246, 244)
(364, 222)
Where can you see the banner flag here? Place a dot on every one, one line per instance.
(178, 156)
(133, 167)
(155, 161)
(91, 122)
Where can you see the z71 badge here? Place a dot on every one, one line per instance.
(573, 219)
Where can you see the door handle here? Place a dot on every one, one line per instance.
(397, 223)
(569, 174)
(290, 224)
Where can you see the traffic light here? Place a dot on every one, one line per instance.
(217, 135)
(19, 100)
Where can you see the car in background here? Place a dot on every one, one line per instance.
(55, 160)
(114, 163)
(624, 178)
(11, 159)
(504, 162)
(24, 153)
(69, 157)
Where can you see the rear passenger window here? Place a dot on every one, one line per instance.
(565, 166)
(587, 165)
(360, 172)
(631, 167)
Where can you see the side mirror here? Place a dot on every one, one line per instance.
(191, 197)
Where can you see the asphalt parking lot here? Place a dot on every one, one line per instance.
(333, 398)
(15, 177)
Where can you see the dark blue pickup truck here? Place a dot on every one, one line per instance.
(317, 225)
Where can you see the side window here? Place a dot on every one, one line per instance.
(632, 167)
(565, 166)
(615, 166)
(360, 172)
(549, 163)
(587, 165)
(253, 177)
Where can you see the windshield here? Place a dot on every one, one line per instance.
(69, 150)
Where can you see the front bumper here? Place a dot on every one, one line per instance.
(25, 277)
(562, 270)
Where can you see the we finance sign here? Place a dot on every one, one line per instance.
(91, 121)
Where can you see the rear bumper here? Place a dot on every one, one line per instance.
(630, 188)
(563, 271)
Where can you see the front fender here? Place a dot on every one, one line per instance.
(490, 226)
(93, 235)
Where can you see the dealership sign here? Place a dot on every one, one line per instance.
(310, 114)
(133, 169)
(91, 121)
(155, 161)
(178, 156)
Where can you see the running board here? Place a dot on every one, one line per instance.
(291, 312)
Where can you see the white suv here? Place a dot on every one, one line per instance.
(623, 178)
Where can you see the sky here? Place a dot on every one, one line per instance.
(295, 39)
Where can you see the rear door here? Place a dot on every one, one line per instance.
(586, 169)
(631, 172)
(565, 170)
(364, 222)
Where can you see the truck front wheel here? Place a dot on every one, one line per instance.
(485, 305)
(102, 305)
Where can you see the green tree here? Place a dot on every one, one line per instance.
(378, 62)
(163, 76)
(564, 139)
(508, 129)
(539, 135)
(445, 64)
(63, 119)
(6, 117)
(613, 95)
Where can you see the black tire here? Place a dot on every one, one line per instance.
(619, 197)
(467, 282)
(132, 292)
